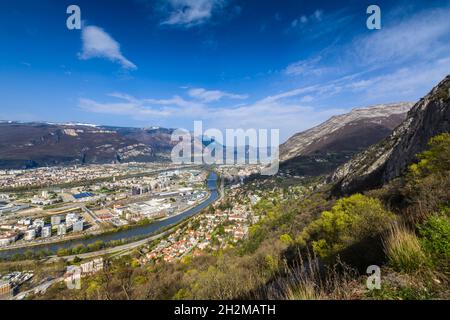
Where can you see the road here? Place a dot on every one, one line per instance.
(92, 215)
(40, 288)
(108, 251)
(126, 247)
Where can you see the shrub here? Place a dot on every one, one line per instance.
(62, 252)
(286, 239)
(434, 160)
(402, 247)
(435, 238)
(350, 220)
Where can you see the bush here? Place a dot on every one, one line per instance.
(435, 238)
(403, 250)
(286, 239)
(62, 252)
(350, 220)
(434, 160)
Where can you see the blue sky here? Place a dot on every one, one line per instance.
(233, 64)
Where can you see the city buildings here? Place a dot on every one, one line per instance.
(30, 235)
(7, 238)
(46, 232)
(61, 229)
(6, 290)
(78, 226)
(38, 223)
(92, 266)
(100, 205)
(60, 175)
(56, 220)
(72, 218)
(10, 283)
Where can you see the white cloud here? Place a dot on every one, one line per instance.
(402, 61)
(191, 12)
(141, 109)
(307, 98)
(423, 35)
(289, 117)
(270, 112)
(213, 95)
(307, 67)
(396, 67)
(405, 59)
(99, 44)
(405, 83)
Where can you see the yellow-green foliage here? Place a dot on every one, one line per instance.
(286, 239)
(403, 250)
(427, 185)
(350, 220)
(435, 238)
(435, 159)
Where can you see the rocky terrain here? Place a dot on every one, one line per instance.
(323, 148)
(389, 158)
(159, 139)
(27, 145)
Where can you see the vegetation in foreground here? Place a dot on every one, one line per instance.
(313, 247)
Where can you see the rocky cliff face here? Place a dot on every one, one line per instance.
(323, 148)
(389, 158)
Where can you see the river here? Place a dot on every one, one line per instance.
(132, 233)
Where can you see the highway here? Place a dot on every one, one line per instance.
(130, 246)
(108, 251)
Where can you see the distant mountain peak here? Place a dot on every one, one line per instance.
(390, 157)
(34, 144)
(338, 129)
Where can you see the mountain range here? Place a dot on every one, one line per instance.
(365, 147)
(29, 145)
(321, 149)
(390, 157)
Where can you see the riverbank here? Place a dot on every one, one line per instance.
(133, 233)
(98, 233)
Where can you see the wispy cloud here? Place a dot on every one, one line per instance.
(191, 12)
(402, 61)
(269, 112)
(425, 34)
(409, 82)
(308, 67)
(141, 109)
(316, 16)
(99, 44)
(213, 95)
